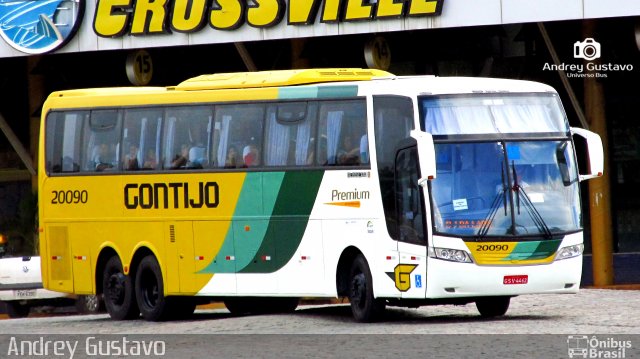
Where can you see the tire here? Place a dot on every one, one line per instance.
(238, 305)
(153, 305)
(491, 307)
(364, 306)
(118, 294)
(17, 310)
(90, 304)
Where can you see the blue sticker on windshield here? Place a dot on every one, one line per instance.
(513, 152)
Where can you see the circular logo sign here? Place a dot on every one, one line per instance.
(139, 67)
(377, 53)
(39, 26)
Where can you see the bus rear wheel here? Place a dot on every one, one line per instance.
(364, 306)
(239, 305)
(119, 298)
(493, 306)
(89, 304)
(153, 305)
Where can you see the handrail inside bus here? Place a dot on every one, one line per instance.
(278, 78)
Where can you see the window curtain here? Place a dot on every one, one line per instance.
(224, 141)
(277, 141)
(334, 124)
(513, 118)
(457, 120)
(69, 156)
(449, 119)
(302, 143)
(142, 141)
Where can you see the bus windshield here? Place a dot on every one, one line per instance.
(517, 188)
(505, 166)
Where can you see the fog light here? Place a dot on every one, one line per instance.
(570, 252)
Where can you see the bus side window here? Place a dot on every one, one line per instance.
(139, 138)
(238, 132)
(289, 134)
(62, 150)
(102, 140)
(343, 127)
(186, 140)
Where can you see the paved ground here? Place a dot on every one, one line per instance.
(589, 311)
(536, 326)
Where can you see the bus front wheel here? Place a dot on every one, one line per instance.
(153, 305)
(493, 306)
(119, 298)
(364, 306)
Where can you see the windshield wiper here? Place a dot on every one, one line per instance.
(486, 223)
(528, 205)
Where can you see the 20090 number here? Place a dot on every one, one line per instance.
(69, 197)
(492, 247)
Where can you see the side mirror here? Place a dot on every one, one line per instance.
(426, 156)
(595, 153)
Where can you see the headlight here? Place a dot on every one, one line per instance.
(570, 252)
(447, 254)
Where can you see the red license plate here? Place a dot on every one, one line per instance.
(515, 279)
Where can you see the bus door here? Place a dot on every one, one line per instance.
(410, 273)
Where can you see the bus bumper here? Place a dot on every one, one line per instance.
(447, 279)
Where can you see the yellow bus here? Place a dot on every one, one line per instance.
(258, 189)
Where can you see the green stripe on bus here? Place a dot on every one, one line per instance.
(533, 250)
(312, 92)
(337, 91)
(288, 221)
(249, 223)
(251, 220)
(298, 92)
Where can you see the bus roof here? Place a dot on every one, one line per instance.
(233, 84)
(278, 78)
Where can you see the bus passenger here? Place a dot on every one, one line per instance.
(232, 158)
(250, 156)
(196, 157)
(197, 152)
(150, 161)
(181, 159)
(131, 159)
(349, 153)
(102, 159)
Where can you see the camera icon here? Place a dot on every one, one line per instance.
(589, 49)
